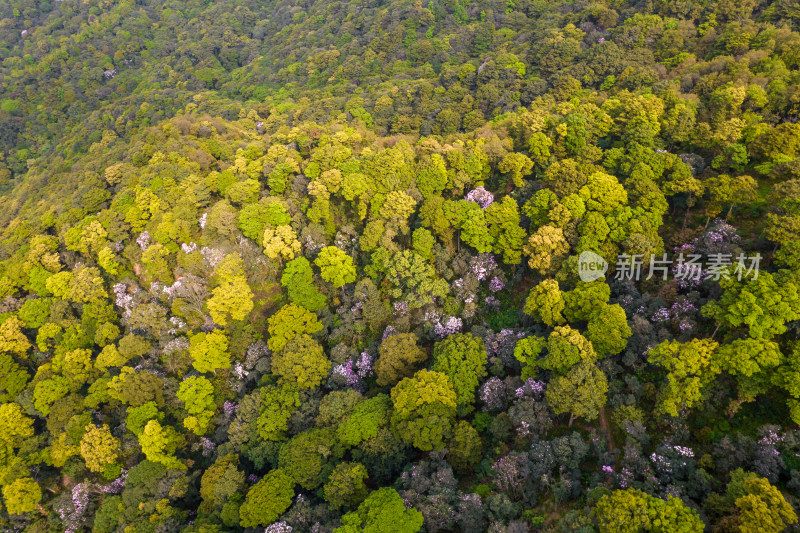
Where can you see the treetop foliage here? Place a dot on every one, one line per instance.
(314, 266)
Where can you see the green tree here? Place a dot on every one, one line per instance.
(222, 481)
(527, 352)
(336, 406)
(608, 330)
(461, 357)
(424, 410)
(298, 278)
(255, 217)
(139, 416)
(382, 512)
(365, 421)
(423, 241)
(304, 456)
(336, 266)
(345, 486)
(411, 278)
(783, 227)
(503, 220)
(13, 378)
(431, 175)
(543, 208)
(471, 219)
(277, 405)
(34, 313)
(267, 499)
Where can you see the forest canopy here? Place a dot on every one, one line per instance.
(320, 266)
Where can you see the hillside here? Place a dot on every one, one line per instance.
(321, 266)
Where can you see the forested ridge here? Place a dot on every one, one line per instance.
(316, 266)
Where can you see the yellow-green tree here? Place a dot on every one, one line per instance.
(690, 367)
(398, 357)
(546, 249)
(566, 347)
(301, 362)
(762, 508)
(290, 321)
(633, 511)
(209, 351)
(336, 266)
(267, 499)
(728, 191)
(232, 298)
(517, 166)
(12, 339)
(99, 448)
(159, 444)
(545, 303)
(581, 392)
(424, 410)
(22, 496)
(197, 395)
(277, 405)
(608, 330)
(281, 242)
(15, 426)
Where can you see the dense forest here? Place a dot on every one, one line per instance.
(318, 267)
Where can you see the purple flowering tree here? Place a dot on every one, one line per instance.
(480, 196)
